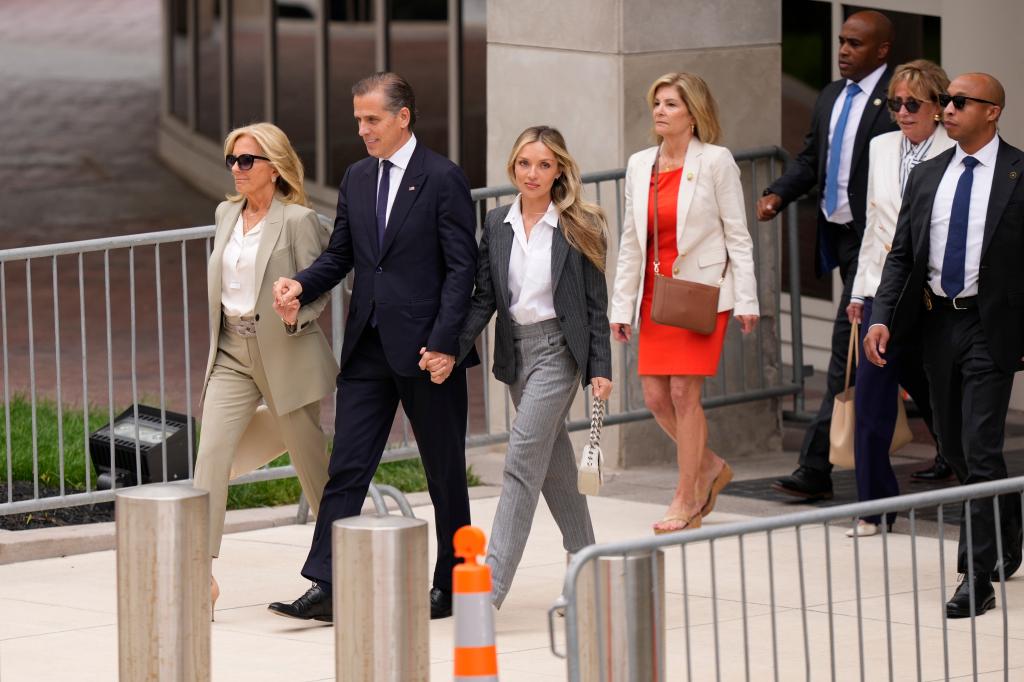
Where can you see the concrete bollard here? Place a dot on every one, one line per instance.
(381, 605)
(163, 584)
(621, 616)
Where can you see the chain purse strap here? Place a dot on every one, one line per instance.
(596, 421)
(657, 259)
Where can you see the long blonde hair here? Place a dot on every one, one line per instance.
(279, 150)
(697, 96)
(583, 222)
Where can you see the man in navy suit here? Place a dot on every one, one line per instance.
(953, 276)
(847, 115)
(405, 224)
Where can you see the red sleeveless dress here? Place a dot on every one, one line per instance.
(667, 350)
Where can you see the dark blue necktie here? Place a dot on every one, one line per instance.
(382, 199)
(836, 151)
(956, 238)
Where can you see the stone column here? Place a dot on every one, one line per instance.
(584, 66)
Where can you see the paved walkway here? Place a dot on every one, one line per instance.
(59, 615)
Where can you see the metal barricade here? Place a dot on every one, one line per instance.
(775, 599)
(105, 323)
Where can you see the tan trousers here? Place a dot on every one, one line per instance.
(233, 395)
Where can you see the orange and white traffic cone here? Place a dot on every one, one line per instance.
(476, 656)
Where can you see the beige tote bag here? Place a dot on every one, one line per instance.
(844, 419)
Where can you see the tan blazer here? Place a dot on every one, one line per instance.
(711, 220)
(883, 202)
(300, 368)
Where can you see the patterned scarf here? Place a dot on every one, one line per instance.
(910, 155)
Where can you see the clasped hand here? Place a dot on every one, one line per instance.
(440, 365)
(286, 299)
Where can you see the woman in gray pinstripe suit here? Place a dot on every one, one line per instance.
(541, 267)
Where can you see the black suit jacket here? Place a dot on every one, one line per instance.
(580, 296)
(419, 281)
(900, 297)
(808, 168)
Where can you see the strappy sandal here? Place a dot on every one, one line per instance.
(723, 479)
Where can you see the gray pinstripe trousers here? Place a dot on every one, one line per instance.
(540, 456)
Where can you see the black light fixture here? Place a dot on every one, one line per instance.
(152, 433)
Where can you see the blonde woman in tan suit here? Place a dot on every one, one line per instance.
(702, 237)
(264, 231)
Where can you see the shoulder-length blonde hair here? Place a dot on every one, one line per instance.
(279, 150)
(697, 96)
(925, 79)
(583, 222)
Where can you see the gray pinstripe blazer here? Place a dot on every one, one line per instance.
(580, 297)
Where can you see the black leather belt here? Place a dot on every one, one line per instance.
(933, 301)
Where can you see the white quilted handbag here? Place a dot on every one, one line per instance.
(591, 474)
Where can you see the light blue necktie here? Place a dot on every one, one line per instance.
(836, 149)
(955, 257)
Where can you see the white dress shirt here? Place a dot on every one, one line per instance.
(531, 296)
(843, 214)
(400, 161)
(981, 188)
(238, 270)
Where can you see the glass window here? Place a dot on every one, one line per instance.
(296, 74)
(179, 60)
(350, 56)
(474, 91)
(250, 23)
(211, 38)
(418, 45)
(807, 37)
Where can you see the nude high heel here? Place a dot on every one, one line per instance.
(214, 594)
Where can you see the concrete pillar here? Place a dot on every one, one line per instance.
(584, 66)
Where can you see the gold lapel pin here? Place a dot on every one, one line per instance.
(689, 176)
(877, 102)
(1013, 175)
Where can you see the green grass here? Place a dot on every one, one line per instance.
(406, 475)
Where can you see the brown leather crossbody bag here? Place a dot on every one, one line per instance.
(680, 302)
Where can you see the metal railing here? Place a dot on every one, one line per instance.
(106, 323)
(865, 611)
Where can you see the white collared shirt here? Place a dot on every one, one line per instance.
(238, 270)
(400, 161)
(843, 214)
(981, 188)
(531, 295)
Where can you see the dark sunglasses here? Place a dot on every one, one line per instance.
(244, 161)
(912, 105)
(960, 100)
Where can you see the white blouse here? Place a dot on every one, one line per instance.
(531, 297)
(238, 285)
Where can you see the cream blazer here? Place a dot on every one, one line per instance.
(300, 368)
(711, 221)
(883, 205)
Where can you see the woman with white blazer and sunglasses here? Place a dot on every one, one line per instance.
(702, 237)
(914, 91)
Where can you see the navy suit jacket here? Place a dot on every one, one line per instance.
(807, 168)
(900, 300)
(420, 280)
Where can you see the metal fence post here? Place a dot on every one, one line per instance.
(622, 618)
(163, 584)
(381, 613)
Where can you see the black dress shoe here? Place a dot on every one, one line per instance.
(806, 483)
(1011, 562)
(314, 605)
(939, 471)
(440, 603)
(984, 598)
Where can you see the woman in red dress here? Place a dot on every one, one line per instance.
(702, 237)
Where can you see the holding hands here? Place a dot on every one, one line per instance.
(440, 365)
(286, 299)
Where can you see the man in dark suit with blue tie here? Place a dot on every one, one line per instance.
(954, 275)
(847, 115)
(405, 225)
